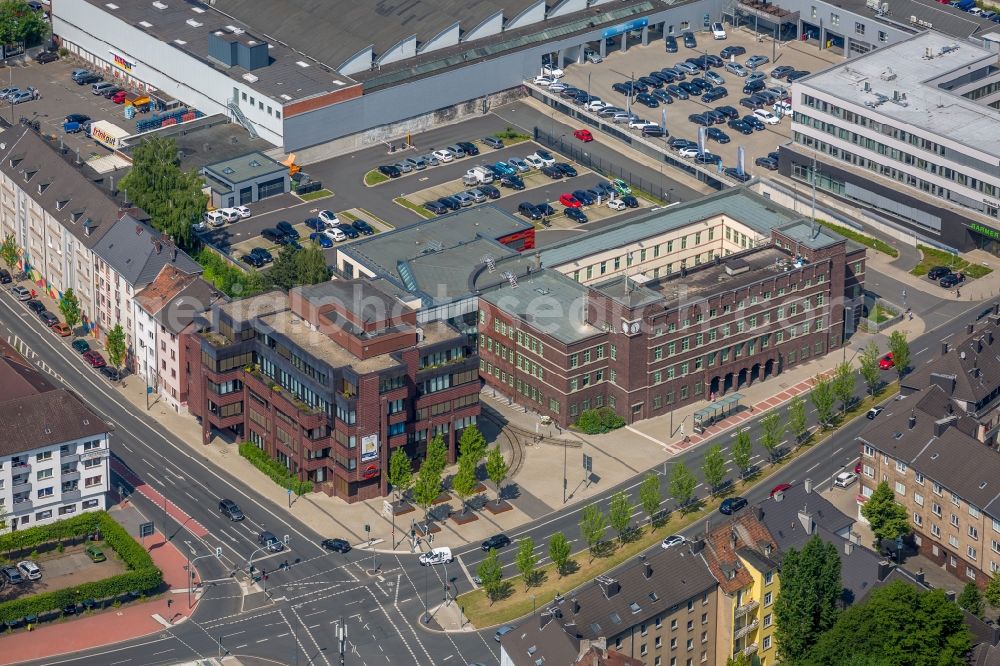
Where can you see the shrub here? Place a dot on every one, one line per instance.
(600, 420)
(274, 469)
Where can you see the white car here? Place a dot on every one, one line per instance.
(242, 211)
(214, 218)
(554, 72)
(593, 57)
(543, 81)
(229, 214)
(767, 117)
(443, 155)
(437, 556)
(782, 108)
(29, 570)
(616, 204)
(718, 32)
(673, 540)
(558, 87)
(544, 161)
(690, 151)
(844, 479)
(335, 234)
(329, 217)
(535, 161)
(595, 105)
(639, 123)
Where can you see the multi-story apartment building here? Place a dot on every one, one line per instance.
(660, 608)
(328, 378)
(706, 307)
(164, 309)
(54, 453)
(908, 133)
(743, 557)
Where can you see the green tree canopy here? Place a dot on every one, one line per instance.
(843, 384)
(593, 524)
(898, 625)
(173, 198)
(472, 444)
(8, 251)
(772, 429)
(870, 371)
(437, 454)
(650, 496)
(310, 265)
(822, 397)
(115, 345)
(559, 551)
(887, 518)
(69, 305)
(526, 560)
(807, 604)
(992, 593)
(714, 467)
(620, 514)
(400, 471)
(490, 572)
(797, 423)
(496, 469)
(682, 484)
(742, 452)
(971, 600)
(464, 483)
(19, 22)
(900, 349)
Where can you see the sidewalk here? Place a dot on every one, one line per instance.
(974, 290)
(111, 625)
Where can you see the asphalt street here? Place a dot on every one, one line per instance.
(297, 618)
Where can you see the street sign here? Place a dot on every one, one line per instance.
(588, 463)
(145, 529)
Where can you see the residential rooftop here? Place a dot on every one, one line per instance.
(918, 68)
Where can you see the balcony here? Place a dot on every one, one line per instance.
(70, 474)
(22, 504)
(20, 486)
(18, 467)
(744, 630)
(69, 458)
(750, 649)
(747, 607)
(72, 495)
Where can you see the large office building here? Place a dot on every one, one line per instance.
(909, 135)
(329, 378)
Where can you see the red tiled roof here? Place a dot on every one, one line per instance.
(169, 282)
(724, 542)
(595, 656)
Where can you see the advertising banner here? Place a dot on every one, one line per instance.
(369, 447)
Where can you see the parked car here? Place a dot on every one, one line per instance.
(29, 570)
(336, 545)
(715, 78)
(569, 201)
(5, 277)
(767, 163)
(35, 305)
(493, 142)
(288, 230)
(689, 40)
(718, 32)
(231, 510)
(443, 155)
(737, 174)
(390, 170)
(11, 575)
(584, 197)
(436, 207)
(365, 229)
(545, 156)
(336, 234)
(938, 272)
(62, 330)
(552, 172)
(273, 236)
(43, 57)
(951, 280)
(270, 542)
(886, 362)
(262, 254)
(502, 631)
(47, 317)
(630, 200)
(529, 210)
(781, 71)
(575, 214)
(545, 209)
(753, 121)
(515, 182)
(737, 69)
(94, 359)
(616, 204)
(80, 345)
(321, 239)
(873, 412)
(496, 541)
(714, 95)
(671, 43)
(700, 119)
(653, 131)
(583, 135)
(439, 555)
(755, 61)
(468, 148)
(520, 165)
(707, 158)
(731, 505)
(111, 373)
(716, 134)
(731, 51)
(845, 479)
(740, 126)
(672, 541)
(796, 75)
(95, 554)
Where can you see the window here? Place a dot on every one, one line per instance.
(972, 553)
(869, 451)
(954, 520)
(859, 28)
(973, 532)
(43, 456)
(918, 520)
(44, 492)
(901, 467)
(918, 498)
(901, 489)
(767, 598)
(43, 474)
(767, 642)
(768, 578)
(936, 509)
(767, 620)
(883, 37)
(92, 481)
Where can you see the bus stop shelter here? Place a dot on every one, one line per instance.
(716, 411)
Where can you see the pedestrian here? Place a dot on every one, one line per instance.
(958, 293)
(170, 602)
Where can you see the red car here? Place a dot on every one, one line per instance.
(569, 201)
(583, 135)
(94, 359)
(780, 488)
(886, 361)
(119, 97)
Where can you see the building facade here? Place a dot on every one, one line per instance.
(329, 379)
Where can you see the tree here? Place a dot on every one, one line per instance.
(902, 625)
(464, 483)
(887, 519)
(593, 523)
(900, 349)
(870, 371)
(822, 398)
(714, 467)
(69, 305)
(496, 469)
(741, 659)
(810, 590)
(284, 273)
(437, 454)
(116, 347)
(559, 551)
(742, 452)
(20, 23)
(490, 574)
(400, 472)
(173, 198)
(427, 487)
(620, 514)
(526, 560)
(310, 265)
(682, 484)
(772, 429)
(8, 252)
(843, 385)
(970, 600)
(472, 443)
(993, 592)
(649, 495)
(797, 421)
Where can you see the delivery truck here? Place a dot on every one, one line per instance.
(107, 134)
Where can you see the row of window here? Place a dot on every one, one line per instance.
(726, 330)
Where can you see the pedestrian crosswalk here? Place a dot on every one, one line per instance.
(27, 352)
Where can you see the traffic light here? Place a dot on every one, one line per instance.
(413, 534)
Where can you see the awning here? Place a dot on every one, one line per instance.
(721, 407)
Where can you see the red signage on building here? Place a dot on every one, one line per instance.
(369, 471)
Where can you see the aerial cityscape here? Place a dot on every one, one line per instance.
(500, 333)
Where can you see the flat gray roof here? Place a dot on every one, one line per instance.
(186, 26)
(929, 14)
(245, 167)
(905, 68)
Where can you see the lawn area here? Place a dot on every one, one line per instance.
(511, 136)
(419, 210)
(882, 314)
(313, 196)
(859, 237)
(931, 256)
(374, 177)
(520, 602)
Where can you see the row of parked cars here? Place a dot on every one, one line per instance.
(440, 156)
(15, 95)
(945, 277)
(220, 216)
(325, 230)
(25, 570)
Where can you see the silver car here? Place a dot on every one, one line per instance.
(464, 198)
(715, 79)
(737, 69)
(756, 76)
(404, 166)
(22, 96)
(476, 195)
(456, 151)
(519, 164)
(418, 163)
(430, 159)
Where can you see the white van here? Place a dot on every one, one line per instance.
(214, 218)
(437, 556)
(718, 32)
(229, 214)
(481, 175)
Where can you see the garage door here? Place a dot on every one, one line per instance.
(270, 188)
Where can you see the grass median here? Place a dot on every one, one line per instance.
(313, 196)
(869, 241)
(522, 600)
(416, 208)
(931, 256)
(374, 177)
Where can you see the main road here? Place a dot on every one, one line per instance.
(296, 620)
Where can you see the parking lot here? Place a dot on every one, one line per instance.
(641, 60)
(67, 569)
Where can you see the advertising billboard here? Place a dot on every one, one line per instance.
(369, 447)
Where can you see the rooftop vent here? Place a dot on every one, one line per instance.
(194, 24)
(287, 98)
(145, 24)
(250, 77)
(609, 585)
(302, 63)
(110, 5)
(159, 5)
(338, 82)
(233, 29)
(180, 42)
(198, 10)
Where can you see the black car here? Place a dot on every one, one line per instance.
(230, 509)
(781, 71)
(676, 90)
(569, 92)
(630, 201)
(111, 92)
(662, 96)
(496, 541)
(545, 209)
(653, 130)
(287, 229)
(390, 170)
(77, 118)
(731, 505)
(584, 197)
(575, 214)
(700, 119)
(514, 182)
(530, 211)
(436, 207)
(5, 277)
(716, 134)
(336, 545)
(767, 163)
(728, 111)
(707, 158)
(48, 318)
(754, 122)
(450, 203)
(35, 306)
(671, 43)
(714, 60)
(775, 155)
(605, 190)
(349, 230)
(623, 88)
(797, 74)
(111, 373)
(714, 94)
(689, 40)
(262, 254)
(716, 117)
(750, 103)
(566, 169)
(89, 77)
(677, 143)
(938, 272)
(46, 56)
(753, 87)
(252, 260)
(730, 51)
(951, 280)
(689, 88)
(647, 99)
(468, 148)
(651, 81)
(704, 85)
(661, 77)
(363, 227)
(740, 126)
(273, 236)
(736, 174)
(550, 171)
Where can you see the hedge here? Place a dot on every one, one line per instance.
(600, 420)
(274, 469)
(142, 576)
